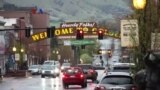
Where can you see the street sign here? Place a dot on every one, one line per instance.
(82, 42)
(17, 56)
(67, 43)
(129, 33)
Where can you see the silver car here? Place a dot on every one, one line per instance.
(35, 69)
(64, 66)
(116, 81)
(50, 70)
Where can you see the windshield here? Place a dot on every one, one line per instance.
(48, 67)
(117, 80)
(122, 69)
(66, 64)
(86, 66)
(48, 63)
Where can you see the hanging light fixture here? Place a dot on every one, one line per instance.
(139, 4)
(14, 49)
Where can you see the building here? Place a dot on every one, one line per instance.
(35, 52)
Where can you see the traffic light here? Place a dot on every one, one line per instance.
(79, 35)
(27, 32)
(51, 31)
(100, 34)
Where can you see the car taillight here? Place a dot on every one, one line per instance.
(134, 88)
(64, 75)
(91, 70)
(100, 88)
(82, 76)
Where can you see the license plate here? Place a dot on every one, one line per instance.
(72, 76)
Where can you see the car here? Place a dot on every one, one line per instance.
(52, 62)
(34, 69)
(64, 66)
(50, 70)
(74, 76)
(122, 67)
(49, 62)
(116, 81)
(89, 71)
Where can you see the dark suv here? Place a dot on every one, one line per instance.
(89, 71)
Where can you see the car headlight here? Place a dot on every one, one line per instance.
(56, 70)
(52, 71)
(62, 68)
(43, 71)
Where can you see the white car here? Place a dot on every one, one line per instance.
(64, 66)
(50, 70)
(35, 69)
(116, 81)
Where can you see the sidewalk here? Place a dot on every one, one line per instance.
(20, 73)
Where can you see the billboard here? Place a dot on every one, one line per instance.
(155, 41)
(129, 33)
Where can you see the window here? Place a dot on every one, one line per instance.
(117, 80)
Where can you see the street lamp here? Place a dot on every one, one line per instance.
(139, 4)
(14, 49)
(22, 50)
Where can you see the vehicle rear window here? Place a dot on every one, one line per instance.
(117, 80)
(85, 66)
(123, 69)
(73, 70)
(66, 64)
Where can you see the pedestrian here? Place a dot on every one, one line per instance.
(102, 62)
(6, 67)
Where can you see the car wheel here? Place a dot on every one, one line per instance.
(94, 79)
(65, 86)
(42, 76)
(84, 85)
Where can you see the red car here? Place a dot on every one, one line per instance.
(74, 76)
(89, 71)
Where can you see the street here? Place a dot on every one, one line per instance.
(35, 82)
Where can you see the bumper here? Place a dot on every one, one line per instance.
(49, 74)
(75, 81)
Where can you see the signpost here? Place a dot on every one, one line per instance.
(82, 42)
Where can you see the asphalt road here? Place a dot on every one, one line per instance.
(37, 83)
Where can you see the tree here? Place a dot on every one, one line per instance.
(149, 22)
(86, 58)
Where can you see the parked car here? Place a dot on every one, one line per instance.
(74, 76)
(116, 81)
(34, 69)
(50, 70)
(64, 66)
(89, 71)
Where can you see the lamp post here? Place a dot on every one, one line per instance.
(17, 56)
(56, 52)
